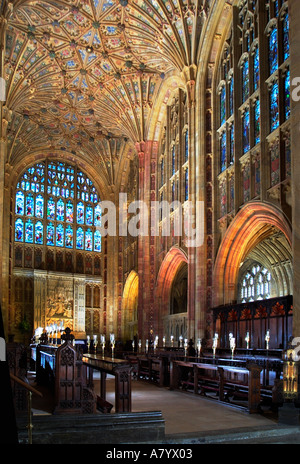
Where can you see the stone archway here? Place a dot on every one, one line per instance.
(255, 222)
(129, 307)
(171, 266)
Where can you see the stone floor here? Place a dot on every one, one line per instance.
(194, 419)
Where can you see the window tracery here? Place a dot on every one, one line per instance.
(47, 195)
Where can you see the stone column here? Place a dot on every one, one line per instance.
(295, 143)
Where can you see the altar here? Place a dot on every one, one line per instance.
(120, 369)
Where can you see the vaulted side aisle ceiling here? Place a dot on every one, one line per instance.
(82, 72)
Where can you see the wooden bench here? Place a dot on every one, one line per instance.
(227, 382)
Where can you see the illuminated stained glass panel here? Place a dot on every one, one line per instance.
(29, 207)
(273, 51)
(80, 239)
(231, 143)
(256, 69)
(60, 235)
(173, 160)
(287, 97)
(97, 217)
(69, 237)
(89, 240)
(286, 43)
(60, 210)
(222, 105)
(231, 93)
(19, 203)
(89, 215)
(223, 160)
(80, 213)
(39, 233)
(186, 184)
(245, 78)
(29, 231)
(50, 234)
(97, 241)
(186, 146)
(51, 209)
(39, 206)
(69, 211)
(19, 230)
(257, 121)
(274, 106)
(246, 131)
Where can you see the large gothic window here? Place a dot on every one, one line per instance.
(255, 284)
(57, 205)
(252, 104)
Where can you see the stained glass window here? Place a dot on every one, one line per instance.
(231, 93)
(60, 235)
(173, 160)
(39, 233)
(80, 213)
(51, 209)
(223, 160)
(19, 230)
(39, 206)
(60, 210)
(255, 284)
(286, 43)
(58, 181)
(274, 158)
(19, 203)
(69, 237)
(186, 184)
(246, 131)
(245, 78)
(97, 241)
(231, 143)
(186, 146)
(222, 105)
(273, 50)
(97, 212)
(29, 205)
(287, 105)
(88, 240)
(89, 215)
(256, 69)
(79, 238)
(274, 106)
(50, 234)
(69, 211)
(257, 121)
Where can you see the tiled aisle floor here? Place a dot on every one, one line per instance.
(185, 412)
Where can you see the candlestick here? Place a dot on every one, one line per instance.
(95, 343)
(88, 342)
(185, 346)
(199, 346)
(215, 344)
(232, 343)
(181, 341)
(112, 341)
(164, 341)
(247, 339)
(140, 346)
(146, 346)
(267, 338)
(133, 344)
(172, 340)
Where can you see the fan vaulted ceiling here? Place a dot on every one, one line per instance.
(82, 72)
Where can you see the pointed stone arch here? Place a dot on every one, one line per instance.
(169, 268)
(129, 306)
(253, 223)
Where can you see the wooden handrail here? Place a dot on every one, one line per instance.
(25, 385)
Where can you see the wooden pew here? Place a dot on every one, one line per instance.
(227, 382)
